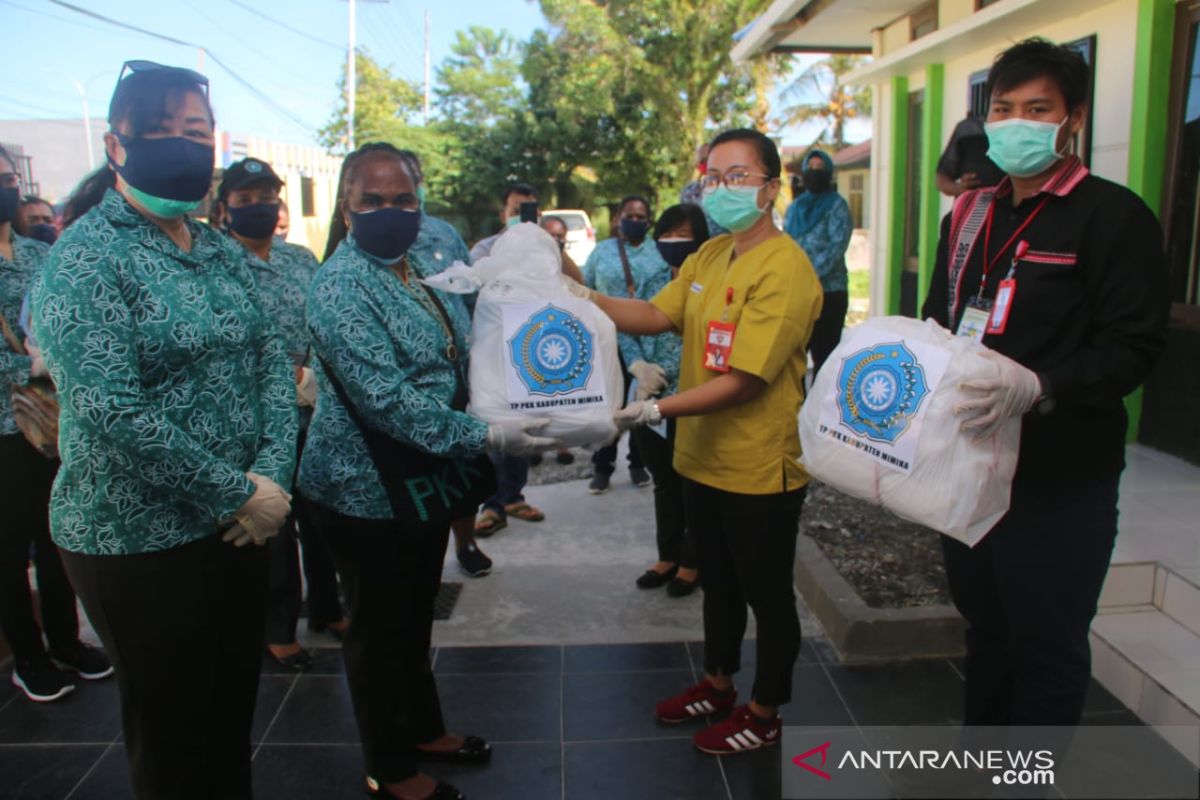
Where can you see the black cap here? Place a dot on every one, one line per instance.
(246, 172)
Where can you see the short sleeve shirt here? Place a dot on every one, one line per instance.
(753, 448)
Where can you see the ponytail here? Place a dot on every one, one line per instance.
(88, 194)
(337, 224)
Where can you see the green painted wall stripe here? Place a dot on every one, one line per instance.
(931, 151)
(1148, 125)
(896, 205)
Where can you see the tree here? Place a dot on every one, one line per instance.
(819, 96)
(651, 69)
(383, 104)
(478, 81)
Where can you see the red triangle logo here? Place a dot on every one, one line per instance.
(801, 761)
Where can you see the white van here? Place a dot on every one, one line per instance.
(581, 236)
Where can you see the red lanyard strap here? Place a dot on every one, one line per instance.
(989, 264)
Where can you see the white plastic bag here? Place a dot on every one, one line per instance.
(879, 424)
(537, 350)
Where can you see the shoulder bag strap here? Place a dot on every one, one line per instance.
(630, 284)
(966, 221)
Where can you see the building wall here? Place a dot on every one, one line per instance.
(59, 149)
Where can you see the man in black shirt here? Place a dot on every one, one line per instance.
(965, 165)
(1064, 273)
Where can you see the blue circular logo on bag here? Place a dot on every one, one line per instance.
(552, 352)
(880, 390)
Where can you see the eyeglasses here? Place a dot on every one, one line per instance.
(138, 65)
(709, 183)
(10, 180)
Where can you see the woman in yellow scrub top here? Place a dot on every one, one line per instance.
(745, 305)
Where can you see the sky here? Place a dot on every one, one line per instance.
(52, 54)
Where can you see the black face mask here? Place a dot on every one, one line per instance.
(817, 180)
(43, 232)
(254, 222)
(171, 168)
(676, 252)
(386, 233)
(10, 198)
(634, 230)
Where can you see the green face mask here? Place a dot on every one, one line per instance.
(512, 221)
(734, 208)
(421, 197)
(160, 206)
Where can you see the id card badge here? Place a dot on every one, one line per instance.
(974, 322)
(1003, 305)
(718, 346)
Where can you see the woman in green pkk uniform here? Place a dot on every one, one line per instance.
(248, 208)
(396, 348)
(25, 479)
(178, 436)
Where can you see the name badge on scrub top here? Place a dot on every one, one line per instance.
(718, 346)
(975, 319)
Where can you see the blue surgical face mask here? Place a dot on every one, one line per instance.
(676, 251)
(634, 230)
(734, 208)
(512, 222)
(1023, 147)
(168, 176)
(257, 221)
(43, 232)
(385, 233)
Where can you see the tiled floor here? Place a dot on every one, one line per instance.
(567, 722)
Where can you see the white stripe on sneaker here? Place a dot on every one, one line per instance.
(749, 734)
(691, 709)
(708, 707)
(729, 740)
(741, 737)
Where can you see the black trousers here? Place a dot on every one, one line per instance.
(674, 543)
(184, 629)
(391, 577)
(827, 331)
(283, 610)
(25, 480)
(604, 460)
(324, 604)
(747, 551)
(1028, 592)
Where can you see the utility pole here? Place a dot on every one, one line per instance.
(427, 16)
(351, 81)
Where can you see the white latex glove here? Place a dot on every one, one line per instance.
(637, 414)
(578, 289)
(37, 368)
(306, 389)
(517, 437)
(262, 515)
(992, 401)
(651, 379)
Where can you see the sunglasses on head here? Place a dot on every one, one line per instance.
(138, 65)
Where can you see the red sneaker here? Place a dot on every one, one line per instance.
(741, 733)
(701, 699)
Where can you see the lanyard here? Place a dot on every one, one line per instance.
(988, 264)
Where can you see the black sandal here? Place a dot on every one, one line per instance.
(474, 750)
(443, 791)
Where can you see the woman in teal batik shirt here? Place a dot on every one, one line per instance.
(25, 479)
(395, 348)
(177, 434)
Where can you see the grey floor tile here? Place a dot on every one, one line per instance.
(526, 771)
(108, 780)
(620, 705)
(291, 772)
(317, 710)
(626, 657)
(512, 708)
(542, 659)
(815, 701)
(650, 770)
(91, 714)
(44, 771)
(906, 693)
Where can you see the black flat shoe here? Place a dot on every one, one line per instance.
(652, 580)
(678, 587)
(296, 662)
(474, 751)
(443, 791)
